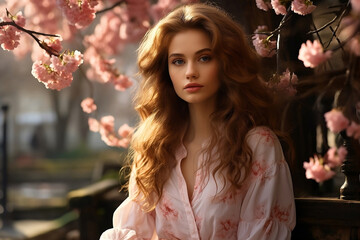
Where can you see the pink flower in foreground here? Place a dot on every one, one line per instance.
(353, 130)
(263, 4)
(336, 121)
(312, 54)
(335, 157)
(355, 4)
(57, 72)
(317, 171)
(263, 46)
(48, 76)
(88, 105)
(9, 35)
(279, 7)
(302, 7)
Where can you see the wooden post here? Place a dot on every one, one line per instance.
(350, 190)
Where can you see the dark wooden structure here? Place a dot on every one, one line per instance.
(317, 218)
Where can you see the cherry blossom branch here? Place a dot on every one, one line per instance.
(111, 7)
(337, 27)
(32, 34)
(331, 21)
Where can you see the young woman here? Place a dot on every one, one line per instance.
(205, 163)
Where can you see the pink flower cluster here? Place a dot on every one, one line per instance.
(315, 169)
(320, 168)
(264, 4)
(41, 16)
(284, 84)
(312, 54)
(279, 6)
(88, 105)
(104, 71)
(137, 21)
(56, 73)
(301, 7)
(263, 45)
(106, 129)
(335, 157)
(10, 35)
(337, 122)
(79, 13)
(106, 36)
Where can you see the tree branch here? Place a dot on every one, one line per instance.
(48, 49)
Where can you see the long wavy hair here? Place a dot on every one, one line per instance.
(243, 103)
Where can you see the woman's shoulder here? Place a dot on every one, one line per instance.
(261, 133)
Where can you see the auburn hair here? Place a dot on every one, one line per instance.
(243, 103)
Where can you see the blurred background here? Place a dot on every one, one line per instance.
(58, 173)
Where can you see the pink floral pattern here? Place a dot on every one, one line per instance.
(263, 211)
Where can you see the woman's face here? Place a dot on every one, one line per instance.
(193, 68)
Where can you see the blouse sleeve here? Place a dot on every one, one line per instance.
(130, 222)
(268, 209)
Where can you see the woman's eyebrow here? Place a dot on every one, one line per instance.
(196, 53)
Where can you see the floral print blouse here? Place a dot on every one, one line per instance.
(262, 209)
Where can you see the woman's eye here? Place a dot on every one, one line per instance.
(205, 59)
(178, 62)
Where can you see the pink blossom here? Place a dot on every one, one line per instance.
(263, 4)
(94, 125)
(317, 171)
(263, 46)
(88, 105)
(10, 35)
(78, 13)
(125, 131)
(122, 82)
(335, 157)
(56, 73)
(103, 70)
(355, 4)
(279, 7)
(107, 133)
(353, 130)
(336, 121)
(67, 62)
(302, 7)
(53, 44)
(285, 83)
(106, 36)
(52, 79)
(312, 54)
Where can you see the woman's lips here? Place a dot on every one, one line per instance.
(193, 87)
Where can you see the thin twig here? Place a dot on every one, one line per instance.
(48, 49)
(111, 7)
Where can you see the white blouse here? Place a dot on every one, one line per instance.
(262, 209)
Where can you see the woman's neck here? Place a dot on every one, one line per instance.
(199, 128)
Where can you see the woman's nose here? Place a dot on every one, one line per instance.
(191, 71)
